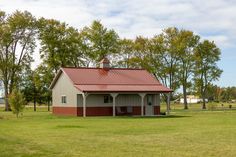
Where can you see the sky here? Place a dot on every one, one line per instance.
(211, 19)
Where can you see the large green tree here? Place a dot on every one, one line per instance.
(17, 43)
(101, 41)
(206, 56)
(126, 49)
(140, 54)
(166, 45)
(61, 45)
(185, 46)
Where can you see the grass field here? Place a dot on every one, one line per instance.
(183, 134)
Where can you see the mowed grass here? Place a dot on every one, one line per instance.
(183, 134)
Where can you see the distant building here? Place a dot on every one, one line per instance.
(192, 99)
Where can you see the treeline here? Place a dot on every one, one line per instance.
(178, 58)
(221, 94)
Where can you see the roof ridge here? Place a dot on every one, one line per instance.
(153, 84)
(102, 68)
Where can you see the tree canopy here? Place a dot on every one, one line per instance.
(178, 58)
(17, 43)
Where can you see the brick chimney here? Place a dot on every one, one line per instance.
(105, 63)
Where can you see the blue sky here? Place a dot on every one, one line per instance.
(211, 19)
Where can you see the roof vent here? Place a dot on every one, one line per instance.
(105, 63)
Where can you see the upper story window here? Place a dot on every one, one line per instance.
(63, 99)
(108, 99)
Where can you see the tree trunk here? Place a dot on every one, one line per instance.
(34, 99)
(185, 98)
(166, 100)
(48, 104)
(169, 108)
(7, 106)
(204, 87)
(171, 96)
(203, 103)
(203, 100)
(34, 104)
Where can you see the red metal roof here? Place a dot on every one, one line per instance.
(114, 79)
(123, 88)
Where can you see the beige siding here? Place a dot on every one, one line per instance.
(128, 100)
(156, 100)
(96, 100)
(79, 100)
(64, 87)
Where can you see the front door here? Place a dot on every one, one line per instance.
(149, 106)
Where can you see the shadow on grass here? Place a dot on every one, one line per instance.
(154, 117)
(118, 117)
(68, 126)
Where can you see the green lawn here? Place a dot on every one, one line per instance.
(183, 134)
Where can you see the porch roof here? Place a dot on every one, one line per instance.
(123, 88)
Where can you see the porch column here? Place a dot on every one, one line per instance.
(114, 95)
(168, 104)
(142, 95)
(84, 103)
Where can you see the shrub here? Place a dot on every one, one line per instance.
(17, 102)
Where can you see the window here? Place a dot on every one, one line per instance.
(63, 99)
(108, 99)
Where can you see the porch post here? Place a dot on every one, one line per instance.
(168, 104)
(142, 95)
(114, 95)
(84, 103)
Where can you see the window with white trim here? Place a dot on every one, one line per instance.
(63, 99)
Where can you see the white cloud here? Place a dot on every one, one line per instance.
(212, 19)
(135, 17)
(220, 40)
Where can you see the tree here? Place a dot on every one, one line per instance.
(28, 87)
(157, 55)
(61, 45)
(17, 102)
(17, 43)
(43, 80)
(206, 70)
(213, 92)
(227, 94)
(140, 54)
(101, 41)
(35, 85)
(185, 45)
(167, 59)
(125, 53)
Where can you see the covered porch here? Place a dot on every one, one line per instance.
(120, 103)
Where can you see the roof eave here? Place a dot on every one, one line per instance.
(113, 91)
(55, 79)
